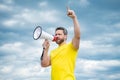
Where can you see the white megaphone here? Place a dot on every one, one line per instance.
(39, 33)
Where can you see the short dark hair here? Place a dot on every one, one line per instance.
(62, 28)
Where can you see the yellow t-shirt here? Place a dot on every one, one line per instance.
(63, 61)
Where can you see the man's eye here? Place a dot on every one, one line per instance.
(57, 34)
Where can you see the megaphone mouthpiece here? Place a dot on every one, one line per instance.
(55, 38)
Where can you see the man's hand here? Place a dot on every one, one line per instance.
(70, 13)
(46, 44)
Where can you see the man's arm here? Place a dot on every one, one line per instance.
(76, 38)
(45, 59)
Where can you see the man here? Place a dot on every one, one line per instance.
(63, 58)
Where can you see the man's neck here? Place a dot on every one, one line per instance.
(62, 43)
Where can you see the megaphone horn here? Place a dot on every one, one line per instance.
(39, 33)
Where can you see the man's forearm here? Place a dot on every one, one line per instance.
(45, 58)
(76, 28)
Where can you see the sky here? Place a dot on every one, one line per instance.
(99, 54)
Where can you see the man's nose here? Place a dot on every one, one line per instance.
(57, 35)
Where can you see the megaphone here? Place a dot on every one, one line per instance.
(40, 34)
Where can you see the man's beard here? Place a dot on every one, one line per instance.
(59, 41)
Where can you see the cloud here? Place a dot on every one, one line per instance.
(19, 53)
(86, 44)
(43, 4)
(32, 16)
(16, 47)
(10, 23)
(9, 1)
(84, 3)
(91, 68)
(117, 25)
(98, 50)
(4, 7)
(27, 70)
(7, 69)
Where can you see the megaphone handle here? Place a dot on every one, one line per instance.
(42, 54)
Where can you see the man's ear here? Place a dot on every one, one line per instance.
(65, 37)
